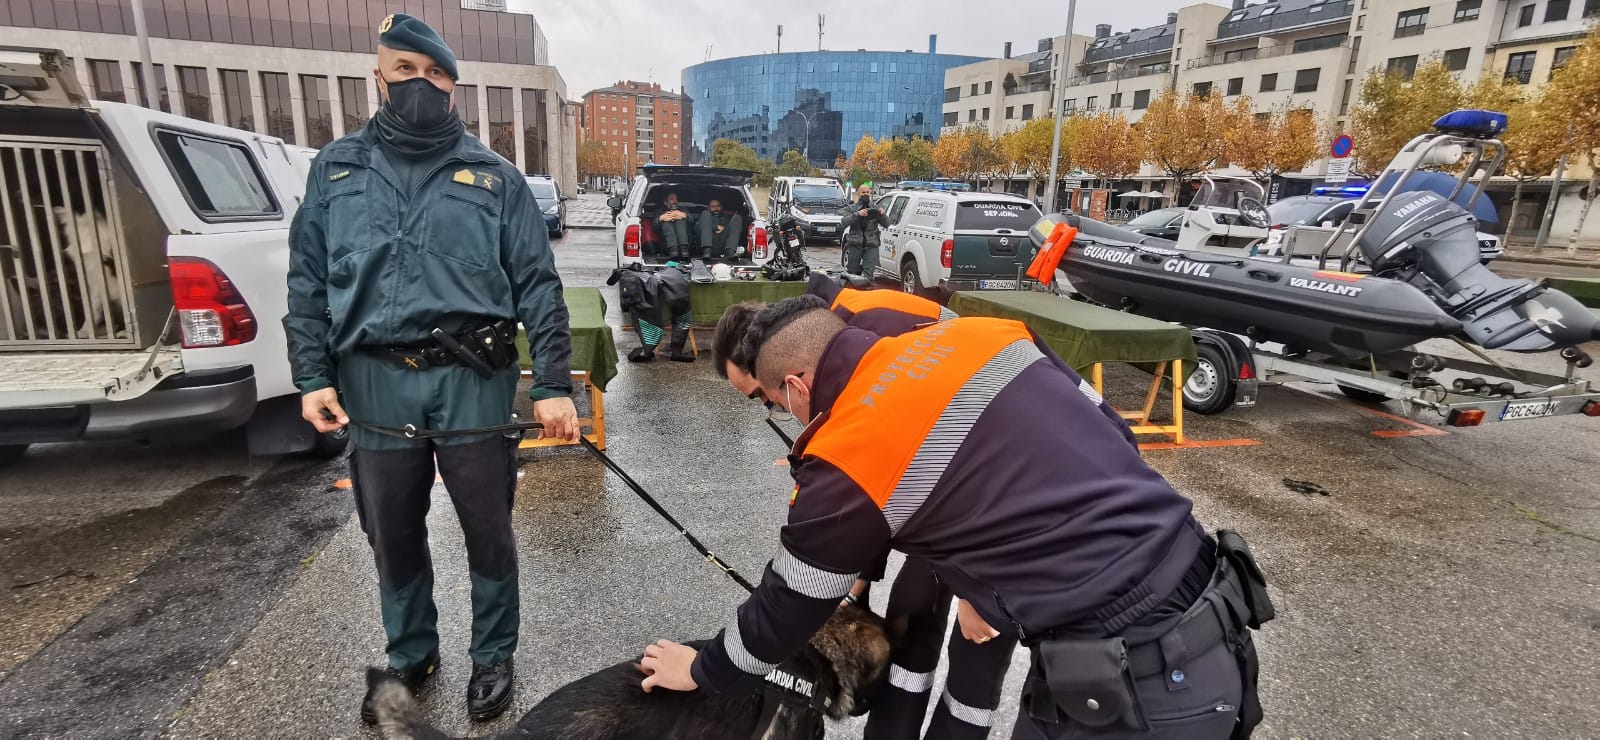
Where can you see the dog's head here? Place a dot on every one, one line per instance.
(398, 713)
(856, 642)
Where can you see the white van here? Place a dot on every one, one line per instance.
(143, 259)
(816, 203)
(940, 242)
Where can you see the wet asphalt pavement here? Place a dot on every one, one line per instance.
(1426, 585)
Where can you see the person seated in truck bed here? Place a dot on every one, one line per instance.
(719, 232)
(674, 224)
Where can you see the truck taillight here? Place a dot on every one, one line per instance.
(210, 309)
(758, 242)
(947, 253)
(630, 241)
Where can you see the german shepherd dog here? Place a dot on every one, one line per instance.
(848, 660)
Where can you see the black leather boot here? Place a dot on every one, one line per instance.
(642, 354)
(414, 680)
(680, 337)
(489, 691)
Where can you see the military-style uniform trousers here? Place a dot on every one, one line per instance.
(972, 685)
(393, 479)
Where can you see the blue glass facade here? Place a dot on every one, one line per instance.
(820, 102)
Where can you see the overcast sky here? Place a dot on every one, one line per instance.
(594, 43)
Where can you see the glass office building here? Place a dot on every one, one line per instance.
(819, 102)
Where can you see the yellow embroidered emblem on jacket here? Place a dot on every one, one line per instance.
(338, 175)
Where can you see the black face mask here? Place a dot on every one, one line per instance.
(419, 104)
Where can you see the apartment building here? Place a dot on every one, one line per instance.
(301, 70)
(640, 120)
(1002, 94)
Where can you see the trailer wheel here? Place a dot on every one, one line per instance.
(1364, 396)
(10, 454)
(1210, 388)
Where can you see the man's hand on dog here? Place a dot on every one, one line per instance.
(666, 664)
(972, 626)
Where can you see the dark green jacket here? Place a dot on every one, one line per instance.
(371, 264)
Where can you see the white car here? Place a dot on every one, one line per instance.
(636, 235)
(816, 204)
(942, 241)
(153, 252)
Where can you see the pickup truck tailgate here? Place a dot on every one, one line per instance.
(34, 380)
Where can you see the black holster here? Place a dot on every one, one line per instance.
(485, 348)
(1089, 681)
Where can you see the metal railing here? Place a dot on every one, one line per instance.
(1246, 55)
(1027, 89)
(64, 278)
(1272, 22)
(1128, 73)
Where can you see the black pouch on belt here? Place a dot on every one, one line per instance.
(1233, 548)
(1089, 681)
(493, 347)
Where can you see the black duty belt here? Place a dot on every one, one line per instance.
(486, 348)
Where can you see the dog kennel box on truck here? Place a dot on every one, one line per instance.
(143, 263)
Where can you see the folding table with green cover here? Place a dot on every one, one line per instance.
(1088, 336)
(594, 358)
(707, 301)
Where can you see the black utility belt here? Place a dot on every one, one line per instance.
(486, 348)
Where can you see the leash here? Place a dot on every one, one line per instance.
(410, 431)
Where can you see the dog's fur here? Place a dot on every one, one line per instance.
(84, 237)
(850, 661)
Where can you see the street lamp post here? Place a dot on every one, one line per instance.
(1061, 87)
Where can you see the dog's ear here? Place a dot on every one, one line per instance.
(375, 676)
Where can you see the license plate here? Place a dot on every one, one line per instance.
(824, 229)
(997, 285)
(1527, 410)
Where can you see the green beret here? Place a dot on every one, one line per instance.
(406, 33)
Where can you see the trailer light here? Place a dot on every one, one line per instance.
(1591, 408)
(1465, 418)
(1246, 371)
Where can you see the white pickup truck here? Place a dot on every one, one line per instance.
(142, 270)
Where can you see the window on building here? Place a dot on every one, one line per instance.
(502, 123)
(1455, 60)
(275, 102)
(1069, 105)
(1116, 100)
(106, 77)
(161, 85)
(974, 89)
(1344, 100)
(1141, 99)
(985, 114)
(196, 90)
(988, 87)
(873, 67)
(1027, 112)
(1468, 10)
(951, 119)
(1236, 86)
(219, 178)
(1306, 80)
(1355, 55)
(894, 68)
(1092, 102)
(952, 94)
(1238, 55)
(1557, 10)
(1406, 67)
(1319, 43)
(1202, 89)
(1011, 112)
(353, 99)
(1411, 23)
(535, 132)
(1269, 82)
(1525, 16)
(1361, 23)
(319, 113)
(1563, 55)
(1591, 8)
(238, 110)
(467, 107)
(972, 115)
(1519, 67)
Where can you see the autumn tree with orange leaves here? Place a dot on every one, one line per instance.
(1267, 144)
(1107, 146)
(1184, 133)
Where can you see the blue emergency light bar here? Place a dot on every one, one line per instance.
(1476, 124)
(1346, 191)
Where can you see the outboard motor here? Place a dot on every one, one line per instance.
(1432, 243)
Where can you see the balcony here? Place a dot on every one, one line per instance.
(1129, 49)
(1120, 74)
(1039, 65)
(1036, 87)
(1246, 55)
(1258, 25)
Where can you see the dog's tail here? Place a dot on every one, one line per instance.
(399, 715)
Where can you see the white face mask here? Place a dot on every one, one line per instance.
(787, 401)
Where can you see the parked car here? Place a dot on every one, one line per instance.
(695, 186)
(942, 241)
(1161, 222)
(153, 252)
(551, 203)
(816, 203)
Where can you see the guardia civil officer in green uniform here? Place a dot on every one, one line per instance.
(411, 225)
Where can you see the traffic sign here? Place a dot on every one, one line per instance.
(1342, 146)
(1338, 169)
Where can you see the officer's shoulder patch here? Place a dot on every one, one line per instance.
(487, 180)
(340, 175)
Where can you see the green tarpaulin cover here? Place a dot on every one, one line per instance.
(1586, 290)
(707, 301)
(593, 347)
(1080, 333)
